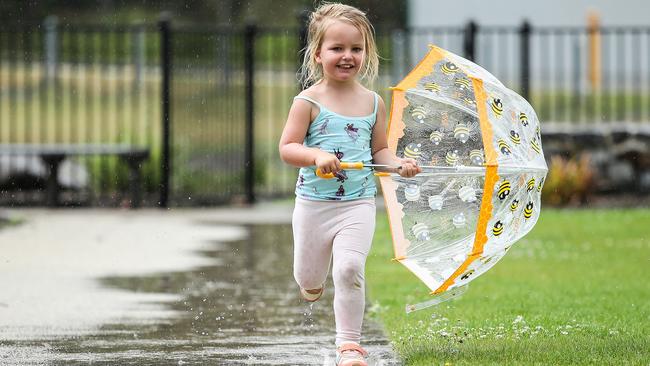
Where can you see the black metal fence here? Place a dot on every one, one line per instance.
(78, 85)
(210, 102)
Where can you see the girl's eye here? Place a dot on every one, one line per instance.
(336, 48)
(357, 49)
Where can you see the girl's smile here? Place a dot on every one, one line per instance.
(342, 51)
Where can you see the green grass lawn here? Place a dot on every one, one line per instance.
(574, 291)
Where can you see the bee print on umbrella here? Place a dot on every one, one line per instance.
(339, 154)
(341, 191)
(352, 131)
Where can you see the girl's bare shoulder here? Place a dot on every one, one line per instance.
(360, 88)
(313, 92)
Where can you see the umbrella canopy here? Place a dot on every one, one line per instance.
(455, 220)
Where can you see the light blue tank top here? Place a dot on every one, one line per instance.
(349, 139)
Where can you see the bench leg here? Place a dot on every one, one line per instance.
(135, 179)
(52, 188)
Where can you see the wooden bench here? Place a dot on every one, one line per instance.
(53, 154)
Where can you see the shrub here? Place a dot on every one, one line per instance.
(569, 181)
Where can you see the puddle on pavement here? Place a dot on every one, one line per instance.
(244, 310)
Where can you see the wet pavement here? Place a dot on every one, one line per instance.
(181, 287)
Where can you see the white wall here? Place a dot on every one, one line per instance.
(539, 13)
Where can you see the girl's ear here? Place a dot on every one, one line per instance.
(317, 56)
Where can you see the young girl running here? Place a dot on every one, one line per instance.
(337, 120)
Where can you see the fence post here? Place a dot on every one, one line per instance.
(51, 47)
(398, 38)
(524, 38)
(469, 40)
(249, 62)
(138, 39)
(164, 25)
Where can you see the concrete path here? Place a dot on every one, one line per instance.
(181, 286)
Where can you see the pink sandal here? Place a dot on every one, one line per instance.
(351, 354)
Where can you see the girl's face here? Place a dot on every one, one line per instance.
(342, 52)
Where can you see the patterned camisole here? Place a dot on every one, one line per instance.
(349, 139)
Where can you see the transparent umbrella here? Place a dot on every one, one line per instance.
(480, 144)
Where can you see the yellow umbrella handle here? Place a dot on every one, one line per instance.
(352, 165)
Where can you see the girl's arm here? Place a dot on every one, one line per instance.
(292, 150)
(381, 154)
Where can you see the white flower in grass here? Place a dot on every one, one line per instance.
(518, 319)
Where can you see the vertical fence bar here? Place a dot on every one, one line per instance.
(51, 54)
(166, 68)
(104, 122)
(621, 84)
(398, 40)
(22, 58)
(12, 84)
(575, 62)
(249, 68)
(469, 40)
(524, 39)
(637, 73)
(646, 87)
(558, 74)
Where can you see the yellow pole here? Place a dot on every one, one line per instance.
(593, 28)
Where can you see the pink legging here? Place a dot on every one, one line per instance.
(342, 231)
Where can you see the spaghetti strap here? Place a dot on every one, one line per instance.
(303, 97)
(374, 112)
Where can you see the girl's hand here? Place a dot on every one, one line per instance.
(409, 168)
(327, 163)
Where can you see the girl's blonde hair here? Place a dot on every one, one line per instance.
(319, 21)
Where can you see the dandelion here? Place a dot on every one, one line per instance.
(518, 319)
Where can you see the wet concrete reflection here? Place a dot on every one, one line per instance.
(244, 309)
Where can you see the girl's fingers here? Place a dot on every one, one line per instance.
(409, 170)
(330, 168)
